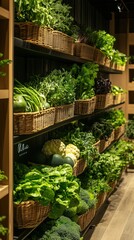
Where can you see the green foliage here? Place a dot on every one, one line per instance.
(2, 175)
(58, 87)
(115, 117)
(55, 185)
(115, 90)
(51, 13)
(102, 129)
(130, 129)
(85, 80)
(3, 62)
(119, 58)
(3, 230)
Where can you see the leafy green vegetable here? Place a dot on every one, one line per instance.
(3, 62)
(2, 175)
(3, 230)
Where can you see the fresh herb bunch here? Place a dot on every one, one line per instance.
(119, 58)
(102, 129)
(102, 85)
(2, 175)
(115, 117)
(115, 90)
(3, 230)
(52, 13)
(85, 79)
(3, 62)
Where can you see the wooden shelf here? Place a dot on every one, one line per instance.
(4, 13)
(3, 190)
(23, 138)
(4, 94)
(28, 48)
(131, 66)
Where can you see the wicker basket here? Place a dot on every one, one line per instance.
(62, 42)
(107, 62)
(99, 57)
(117, 99)
(64, 112)
(104, 100)
(101, 199)
(27, 123)
(97, 145)
(29, 214)
(83, 107)
(111, 138)
(103, 145)
(118, 132)
(25, 30)
(86, 218)
(84, 51)
(123, 97)
(79, 167)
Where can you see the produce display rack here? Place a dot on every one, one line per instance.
(25, 48)
(96, 113)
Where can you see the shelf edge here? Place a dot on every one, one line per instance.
(3, 190)
(4, 13)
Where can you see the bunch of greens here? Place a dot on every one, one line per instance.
(102, 85)
(115, 117)
(119, 58)
(61, 229)
(108, 167)
(3, 230)
(27, 98)
(102, 129)
(115, 90)
(85, 79)
(58, 87)
(130, 129)
(3, 62)
(52, 13)
(2, 175)
(125, 150)
(47, 185)
(84, 141)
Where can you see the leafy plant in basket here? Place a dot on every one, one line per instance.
(119, 58)
(85, 80)
(52, 13)
(2, 175)
(130, 129)
(102, 129)
(102, 85)
(58, 87)
(116, 117)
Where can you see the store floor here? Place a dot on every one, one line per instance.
(116, 218)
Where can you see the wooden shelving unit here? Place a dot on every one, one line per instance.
(6, 122)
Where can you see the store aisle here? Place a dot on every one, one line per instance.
(117, 223)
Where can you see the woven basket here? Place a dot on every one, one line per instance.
(99, 57)
(83, 107)
(86, 218)
(101, 199)
(104, 100)
(103, 145)
(84, 51)
(27, 123)
(107, 62)
(111, 138)
(117, 99)
(79, 167)
(29, 214)
(123, 97)
(25, 30)
(97, 145)
(64, 112)
(118, 132)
